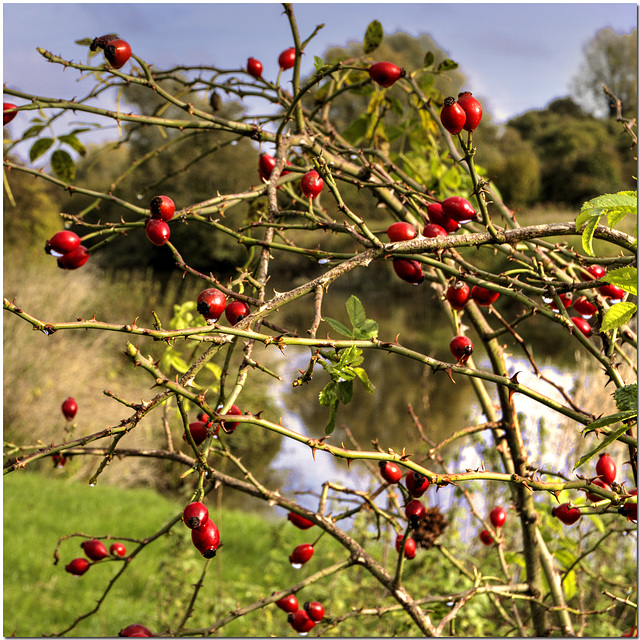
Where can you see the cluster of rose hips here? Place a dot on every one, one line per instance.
(302, 620)
(303, 552)
(162, 209)
(203, 427)
(69, 409)
(286, 60)
(464, 113)
(212, 302)
(95, 551)
(116, 50)
(498, 517)
(310, 184)
(67, 248)
(204, 532)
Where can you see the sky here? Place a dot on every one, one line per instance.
(516, 56)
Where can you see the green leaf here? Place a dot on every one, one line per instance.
(369, 329)
(618, 315)
(74, 143)
(338, 327)
(33, 131)
(331, 425)
(627, 397)
(345, 391)
(625, 277)
(39, 147)
(364, 378)
(605, 443)
(447, 65)
(587, 235)
(429, 59)
(623, 201)
(62, 165)
(373, 37)
(356, 312)
(329, 394)
(605, 421)
(569, 585)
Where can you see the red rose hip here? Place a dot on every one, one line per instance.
(314, 610)
(78, 566)
(401, 231)
(408, 270)
(9, 112)
(458, 209)
(458, 295)
(461, 347)
(311, 184)
(452, 116)
(254, 68)
(566, 514)
(300, 555)
(118, 549)
(62, 242)
(386, 73)
(117, 52)
(486, 537)
(409, 547)
(236, 311)
(416, 483)
(69, 408)
(206, 538)
(288, 603)
(287, 58)
(299, 521)
(74, 259)
(162, 207)
(157, 231)
(94, 549)
(211, 303)
(472, 109)
(483, 297)
(390, 471)
(498, 517)
(606, 468)
(195, 515)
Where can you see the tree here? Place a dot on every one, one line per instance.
(611, 59)
(550, 576)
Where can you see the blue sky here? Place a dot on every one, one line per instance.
(516, 56)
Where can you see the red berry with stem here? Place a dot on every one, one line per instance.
(195, 515)
(62, 242)
(118, 549)
(301, 622)
(483, 297)
(452, 116)
(162, 207)
(606, 468)
(566, 514)
(461, 347)
(458, 295)
(594, 497)
(300, 555)
(498, 517)
(386, 73)
(416, 483)
(78, 566)
(299, 521)
(158, 231)
(585, 308)
(266, 163)
(74, 259)
(401, 231)
(135, 630)
(311, 184)
(236, 311)
(254, 68)
(409, 547)
(486, 537)
(117, 52)
(611, 291)
(94, 549)
(436, 214)
(458, 209)
(432, 230)
(414, 511)
(583, 326)
(390, 471)
(199, 432)
(211, 303)
(230, 427)
(206, 538)
(288, 603)
(472, 109)
(408, 270)
(315, 610)
(287, 58)
(69, 408)
(9, 112)
(593, 272)
(631, 508)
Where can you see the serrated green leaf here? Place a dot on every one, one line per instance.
(351, 356)
(605, 443)
(356, 312)
(368, 330)
(329, 395)
(587, 235)
(62, 165)
(625, 277)
(364, 378)
(345, 391)
(624, 200)
(373, 37)
(331, 425)
(338, 327)
(429, 59)
(618, 315)
(39, 147)
(74, 143)
(447, 65)
(627, 397)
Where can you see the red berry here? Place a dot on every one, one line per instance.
(584, 307)
(9, 112)
(236, 311)
(498, 517)
(288, 603)
(94, 549)
(78, 566)
(314, 610)
(593, 272)
(206, 538)
(299, 521)
(461, 347)
(565, 514)
(254, 68)
(266, 163)
(195, 514)
(386, 73)
(62, 242)
(472, 109)
(230, 427)
(436, 214)
(459, 209)
(390, 471)
(409, 547)
(486, 537)
(606, 468)
(583, 326)
(117, 52)
(118, 549)
(414, 511)
(408, 270)
(69, 408)
(135, 630)
(484, 297)
(287, 58)
(452, 116)
(416, 483)
(74, 259)
(157, 231)
(611, 291)
(594, 497)
(199, 432)
(301, 621)
(301, 554)
(311, 184)
(565, 298)
(162, 207)
(631, 508)
(432, 230)
(458, 295)
(211, 303)
(59, 460)
(401, 231)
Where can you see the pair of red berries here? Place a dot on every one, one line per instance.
(9, 112)
(408, 270)
(67, 247)
(415, 482)
(463, 113)
(409, 547)
(610, 291)
(201, 428)
(498, 517)
(162, 209)
(302, 620)
(116, 50)
(204, 532)
(386, 73)
(459, 293)
(266, 164)
(95, 551)
(212, 302)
